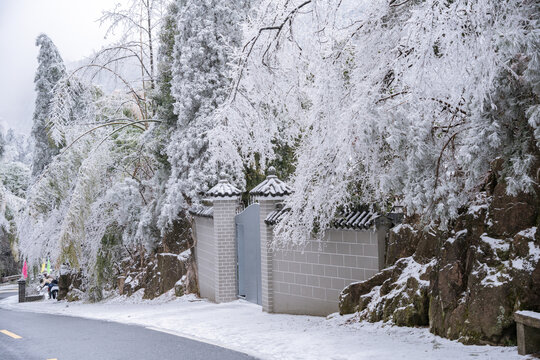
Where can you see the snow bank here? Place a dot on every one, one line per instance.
(243, 326)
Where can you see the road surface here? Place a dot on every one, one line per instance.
(25, 335)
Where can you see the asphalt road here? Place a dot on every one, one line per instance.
(68, 338)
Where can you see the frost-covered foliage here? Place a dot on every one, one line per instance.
(406, 100)
(105, 180)
(207, 33)
(136, 21)
(371, 102)
(10, 205)
(76, 199)
(14, 179)
(17, 147)
(15, 163)
(163, 95)
(73, 101)
(50, 70)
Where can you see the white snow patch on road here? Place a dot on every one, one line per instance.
(243, 326)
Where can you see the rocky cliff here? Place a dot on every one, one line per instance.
(465, 282)
(170, 265)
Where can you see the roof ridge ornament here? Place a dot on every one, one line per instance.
(272, 186)
(271, 172)
(223, 189)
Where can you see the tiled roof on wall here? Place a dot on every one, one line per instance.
(202, 211)
(272, 186)
(351, 220)
(356, 220)
(275, 216)
(223, 189)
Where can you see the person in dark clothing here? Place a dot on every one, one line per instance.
(49, 281)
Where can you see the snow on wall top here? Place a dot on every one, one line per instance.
(529, 313)
(223, 189)
(356, 220)
(203, 211)
(271, 186)
(275, 216)
(351, 220)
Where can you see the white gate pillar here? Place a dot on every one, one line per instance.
(225, 198)
(271, 192)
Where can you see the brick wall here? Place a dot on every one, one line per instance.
(267, 263)
(308, 280)
(205, 253)
(294, 280)
(225, 245)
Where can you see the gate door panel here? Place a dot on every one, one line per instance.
(248, 247)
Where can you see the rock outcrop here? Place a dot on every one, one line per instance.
(465, 282)
(71, 284)
(171, 266)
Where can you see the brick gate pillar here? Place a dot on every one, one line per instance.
(225, 198)
(22, 289)
(271, 192)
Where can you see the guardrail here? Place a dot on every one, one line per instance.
(10, 278)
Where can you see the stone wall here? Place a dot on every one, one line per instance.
(308, 280)
(205, 254)
(301, 280)
(225, 250)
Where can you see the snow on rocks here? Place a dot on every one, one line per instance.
(528, 233)
(396, 229)
(496, 244)
(397, 294)
(456, 235)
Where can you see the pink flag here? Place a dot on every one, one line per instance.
(25, 270)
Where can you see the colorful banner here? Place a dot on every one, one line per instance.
(42, 268)
(48, 266)
(25, 270)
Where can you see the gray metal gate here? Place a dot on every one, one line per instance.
(248, 240)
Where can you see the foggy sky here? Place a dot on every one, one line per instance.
(72, 26)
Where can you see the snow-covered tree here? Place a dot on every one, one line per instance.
(406, 100)
(208, 31)
(50, 70)
(15, 177)
(63, 219)
(18, 147)
(138, 21)
(163, 96)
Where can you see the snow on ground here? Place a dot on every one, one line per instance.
(242, 326)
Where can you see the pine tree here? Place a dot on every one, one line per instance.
(50, 70)
(208, 31)
(163, 97)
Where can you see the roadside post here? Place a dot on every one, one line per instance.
(22, 289)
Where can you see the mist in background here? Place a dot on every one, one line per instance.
(71, 24)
